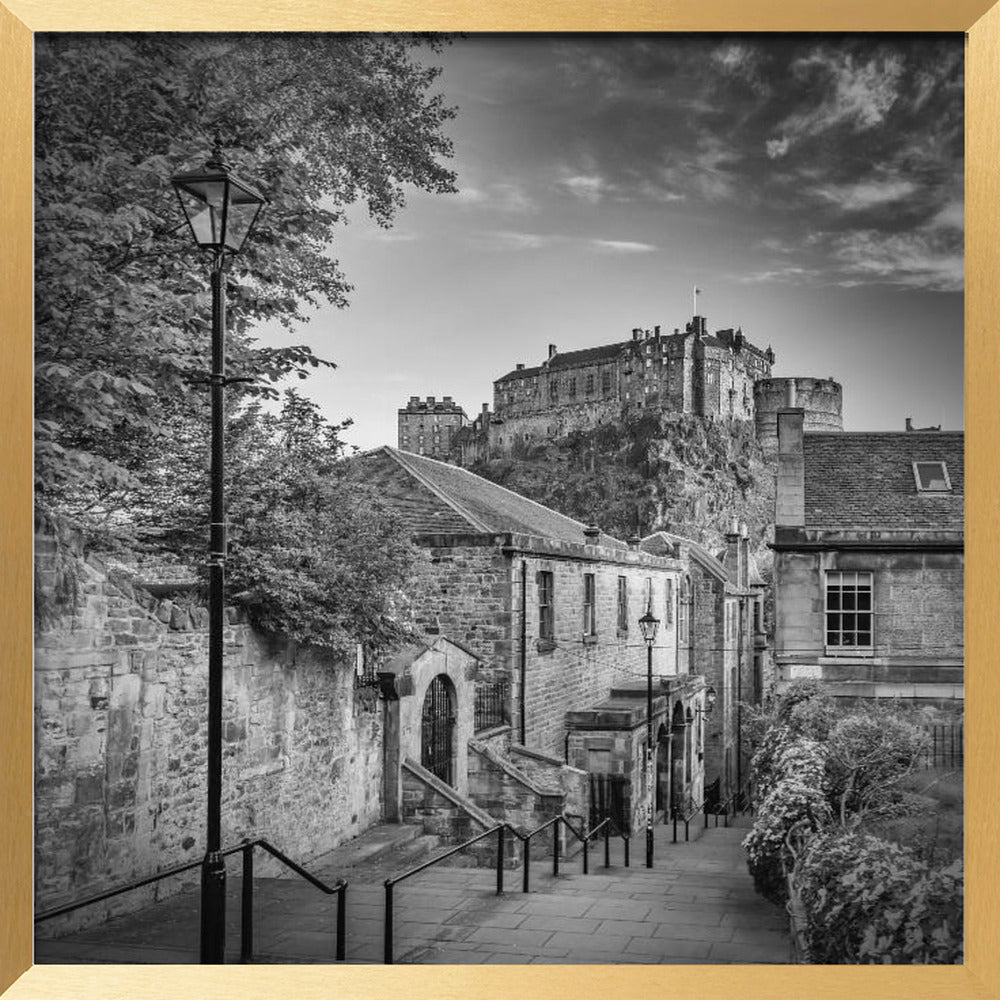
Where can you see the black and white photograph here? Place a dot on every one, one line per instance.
(499, 499)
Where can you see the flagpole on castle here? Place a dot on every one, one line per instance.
(694, 300)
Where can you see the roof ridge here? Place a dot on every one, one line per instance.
(397, 456)
(466, 472)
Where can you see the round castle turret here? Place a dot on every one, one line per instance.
(820, 398)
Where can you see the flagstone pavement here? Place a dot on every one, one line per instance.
(695, 905)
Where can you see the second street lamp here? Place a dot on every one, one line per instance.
(648, 624)
(221, 210)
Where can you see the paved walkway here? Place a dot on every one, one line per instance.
(696, 905)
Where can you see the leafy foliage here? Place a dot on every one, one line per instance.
(869, 901)
(794, 798)
(319, 121)
(315, 555)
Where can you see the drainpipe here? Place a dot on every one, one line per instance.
(524, 643)
(739, 694)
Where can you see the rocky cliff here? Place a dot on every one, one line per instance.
(678, 473)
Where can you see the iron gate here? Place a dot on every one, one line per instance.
(607, 798)
(437, 728)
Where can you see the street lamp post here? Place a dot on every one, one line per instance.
(648, 625)
(221, 210)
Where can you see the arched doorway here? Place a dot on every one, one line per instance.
(437, 728)
(678, 760)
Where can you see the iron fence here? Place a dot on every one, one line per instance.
(945, 747)
(492, 705)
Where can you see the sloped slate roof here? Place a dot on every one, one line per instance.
(571, 359)
(434, 497)
(589, 355)
(519, 373)
(865, 480)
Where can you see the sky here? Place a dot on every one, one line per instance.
(810, 186)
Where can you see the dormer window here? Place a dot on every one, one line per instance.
(931, 477)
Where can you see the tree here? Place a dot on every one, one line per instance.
(122, 304)
(314, 554)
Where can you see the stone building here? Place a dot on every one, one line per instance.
(869, 562)
(721, 638)
(429, 426)
(551, 608)
(691, 372)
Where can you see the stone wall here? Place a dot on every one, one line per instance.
(120, 732)
(918, 605)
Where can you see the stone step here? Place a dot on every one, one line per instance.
(373, 846)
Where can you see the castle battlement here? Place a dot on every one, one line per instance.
(694, 371)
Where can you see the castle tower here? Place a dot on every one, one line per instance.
(821, 400)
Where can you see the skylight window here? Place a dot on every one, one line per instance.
(931, 477)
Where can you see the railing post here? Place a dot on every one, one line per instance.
(675, 825)
(586, 852)
(246, 907)
(341, 921)
(555, 847)
(527, 862)
(607, 844)
(387, 939)
(726, 820)
(686, 821)
(627, 840)
(501, 830)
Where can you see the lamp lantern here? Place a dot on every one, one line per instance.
(220, 207)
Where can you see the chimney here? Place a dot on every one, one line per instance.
(789, 505)
(633, 543)
(486, 408)
(790, 393)
(520, 365)
(592, 533)
(656, 329)
(732, 560)
(648, 334)
(414, 399)
(636, 332)
(447, 399)
(431, 400)
(552, 351)
(909, 423)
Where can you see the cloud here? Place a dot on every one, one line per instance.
(390, 236)
(502, 196)
(951, 216)
(776, 148)
(506, 239)
(856, 93)
(624, 246)
(864, 195)
(590, 187)
(920, 259)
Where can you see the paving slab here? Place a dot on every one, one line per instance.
(696, 905)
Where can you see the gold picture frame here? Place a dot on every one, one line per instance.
(979, 977)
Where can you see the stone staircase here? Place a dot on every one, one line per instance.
(379, 853)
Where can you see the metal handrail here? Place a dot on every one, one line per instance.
(246, 911)
(394, 880)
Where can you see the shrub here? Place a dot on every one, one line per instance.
(868, 752)
(796, 797)
(871, 902)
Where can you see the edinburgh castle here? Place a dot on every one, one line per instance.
(713, 376)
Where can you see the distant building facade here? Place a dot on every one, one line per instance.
(693, 372)
(869, 562)
(429, 426)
